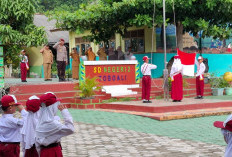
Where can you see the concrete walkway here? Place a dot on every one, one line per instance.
(103, 134)
(103, 141)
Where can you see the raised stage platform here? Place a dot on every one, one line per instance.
(159, 109)
(168, 110)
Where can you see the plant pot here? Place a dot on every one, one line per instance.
(206, 80)
(217, 91)
(228, 91)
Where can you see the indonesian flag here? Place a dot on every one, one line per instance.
(188, 62)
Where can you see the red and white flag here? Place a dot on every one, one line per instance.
(188, 62)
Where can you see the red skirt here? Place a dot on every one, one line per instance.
(32, 152)
(9, 150)
(51, 152)
(177, 88)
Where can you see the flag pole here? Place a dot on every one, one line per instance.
(165, 71)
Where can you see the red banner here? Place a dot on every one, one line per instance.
(112, 74)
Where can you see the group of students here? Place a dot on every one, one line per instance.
(39, 131)
(176, 79)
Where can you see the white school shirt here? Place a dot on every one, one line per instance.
(200, 68)
(67, 129)
(10, 127)
(24, 58)
(228, 137)
(146, 68)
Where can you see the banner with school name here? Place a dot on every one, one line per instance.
(112, 72)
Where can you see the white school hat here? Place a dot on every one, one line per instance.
(200, 57)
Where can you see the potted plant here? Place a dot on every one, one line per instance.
(16, 73)
(54, 70)
(218, 84)
(88, 87)
(68, 73)
(54, 74)
(228, 78)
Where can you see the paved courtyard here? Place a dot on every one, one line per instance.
(99, 140)
(114, 134)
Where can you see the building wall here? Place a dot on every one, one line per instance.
(35, 60)
(218, 64)
(73, 35)
(118, 39)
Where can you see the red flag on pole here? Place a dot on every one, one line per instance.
(188, 61)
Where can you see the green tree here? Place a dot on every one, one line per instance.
(17, 29)
(58, 5)
(104, 18)
(107, 17)
(212, 17)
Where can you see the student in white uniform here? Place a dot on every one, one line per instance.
(146, 80)
(28, 130)
(49, 130)
(10, 126)
(200, 77)
(226, 129)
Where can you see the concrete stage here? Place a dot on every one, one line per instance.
(168, 110)
(17, 81)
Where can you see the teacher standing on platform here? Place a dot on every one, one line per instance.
(61, 59)
(47, 62)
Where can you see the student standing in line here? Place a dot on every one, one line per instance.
(200, 77)
(176, 78)
(226, 129)
(146, 80)
(24, 66)
(28, 130)
(49, 130)
(10, 136)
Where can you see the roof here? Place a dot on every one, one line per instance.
(53, 33)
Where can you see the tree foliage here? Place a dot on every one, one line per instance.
(58, 5)
(104, 18)
(17, 29)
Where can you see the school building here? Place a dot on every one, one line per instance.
(140, 38)
(141, 41)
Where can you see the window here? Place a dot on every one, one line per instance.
(135, 39)
(110, 44)
(84, 44)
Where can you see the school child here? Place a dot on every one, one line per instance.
(28, 130)
(49, 130)
(24, 66)
(10, 136)
(177, 82)
(146, 80)
(226, 129)
(200, 77)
